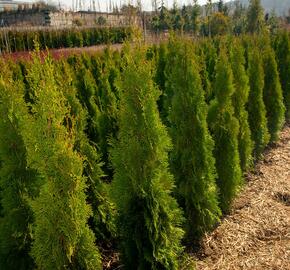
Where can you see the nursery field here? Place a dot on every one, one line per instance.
(164, 156)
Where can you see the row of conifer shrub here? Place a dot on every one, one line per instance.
(24, 40)
(141, 150)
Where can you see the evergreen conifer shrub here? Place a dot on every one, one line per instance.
(192, 158)
(256, 106)
(62, 238)
(240, 100)
(18, 183)
(102, 220)
(282, 48)
(225, 129)
(273, 95)
(149, 219)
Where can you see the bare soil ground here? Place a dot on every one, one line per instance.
(256, 234)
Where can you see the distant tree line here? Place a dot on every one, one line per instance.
(214, 18)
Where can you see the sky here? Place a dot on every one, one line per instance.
(105, 3)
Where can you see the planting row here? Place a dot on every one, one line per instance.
(16, 41)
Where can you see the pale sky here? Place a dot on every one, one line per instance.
(105, 3)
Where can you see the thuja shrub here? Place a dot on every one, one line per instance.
(168, 91)
(107, 96)
(102, 220)
(192, 160)
(62, 238)
(149, 220)
(209, 56)
(256, 106)
(282, 49)
(18, 183)
(94, 79)
(240, 99)
(87, 90)
(160, 59)
(273, 95)
(225, 130)
(205, 80)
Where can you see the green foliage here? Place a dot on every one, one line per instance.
(255, 17)
(18, 183)
(87, 94)
(208, 56)
(149, 218)
(102, 221)
(192, 160)
(240, 99)
(220, 24)
(273, 96)
(239, 18)
(256, 107)
(282, 48)
(160, 66)
(206, 83)
(225, 130)
(160, 79)
(62, 38)
(62, 238)
(108, 100)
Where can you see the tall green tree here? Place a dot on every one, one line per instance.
(195, 14)
(255, 17)
(62, 238)
(18, 183)
(240, 99)
(273, 96)
(239, 18)
(225, 130)
(192, 160)
(282, 49)
(256, 106)
(102, 220)
(149, 218)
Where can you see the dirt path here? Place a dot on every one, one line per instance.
(256, 234)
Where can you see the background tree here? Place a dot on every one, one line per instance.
(195, 14)
(177, 20)
(255, 17)
(220, 24)
(222, 8)
(239, 19)
(272, 22)
(209, 11)
(149, 218)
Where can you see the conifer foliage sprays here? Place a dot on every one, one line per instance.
(149, 217)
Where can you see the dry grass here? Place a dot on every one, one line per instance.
(256, 234)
